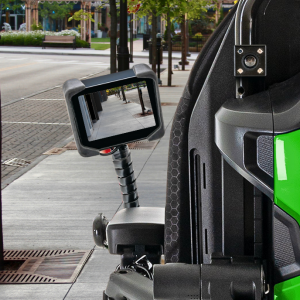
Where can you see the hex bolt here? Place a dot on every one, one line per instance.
(240, 71)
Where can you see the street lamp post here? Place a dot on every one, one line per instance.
(123, 54)
(131, 38)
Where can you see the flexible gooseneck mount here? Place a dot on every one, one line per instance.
(121, 157)
(125, 172)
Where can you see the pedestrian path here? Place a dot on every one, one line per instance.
(138, 51)
(54, 61)
(52, 206)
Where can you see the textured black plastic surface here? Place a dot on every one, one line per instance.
(285, 98)
(219, 86)
(243, 132)
(265, 154)
(232, 282)
(224, 279)
(136, 226)
(286, 246)
(128, 284)
(177, 282)
(177, 229)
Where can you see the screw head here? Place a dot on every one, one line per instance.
(250, 61)
(240, 51)
(260, 70)
(260, 51)
(240, 71)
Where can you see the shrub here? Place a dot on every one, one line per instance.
(198, 35)
(35, 38)
(36, 27)
(82, 44)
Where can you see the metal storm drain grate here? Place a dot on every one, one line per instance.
(169, 104)
(43, 266)
(71, 146)
(16, 162)
(143, 145)
(55, 151)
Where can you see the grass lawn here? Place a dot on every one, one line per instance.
(100, 46)
(105, 40)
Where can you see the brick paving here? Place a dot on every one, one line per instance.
(32, 126)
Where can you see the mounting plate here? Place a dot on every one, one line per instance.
(258, 54)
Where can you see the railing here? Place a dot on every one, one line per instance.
(195, 43)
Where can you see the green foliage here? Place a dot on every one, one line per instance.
(221, 16)
(80, 15)
(105, 40)
(198, 35)
(60, 10)
(195, 9)
(10, 4)
(82, 44)
(35, 27)
(33, 38)
(166, 31)
(100, 46)
(190, 29)
(33, 41)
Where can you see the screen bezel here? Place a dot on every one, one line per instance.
(123, 138)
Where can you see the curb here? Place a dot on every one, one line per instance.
(83, 54)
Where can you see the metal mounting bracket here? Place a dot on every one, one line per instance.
(250, 61)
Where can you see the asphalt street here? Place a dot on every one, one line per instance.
(24, 74)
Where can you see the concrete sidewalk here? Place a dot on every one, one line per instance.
(137, 51)
(53, 205)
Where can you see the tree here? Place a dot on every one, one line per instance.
(173, 10)
(148, 8)
(81, 15)
(55, 11)
(113, 36)
(190, 10)
(7, 5)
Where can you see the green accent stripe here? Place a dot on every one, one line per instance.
(288, 290)
(287, 196)
(287, 173)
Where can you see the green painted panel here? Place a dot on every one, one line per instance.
(287, 173)
(288, 290)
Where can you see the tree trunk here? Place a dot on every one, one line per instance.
(183, 40)
(154, 29)
(187, 37)
(113, 36)
(131, 38)
(1, 6)
(169, 50)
